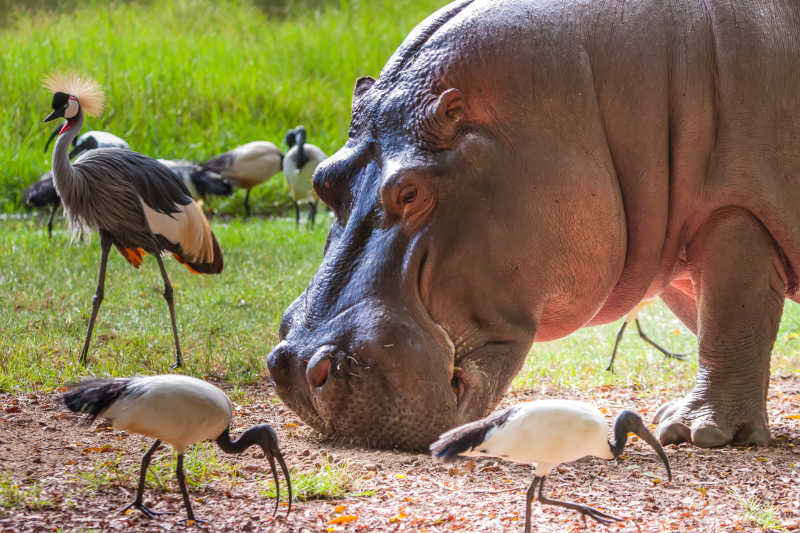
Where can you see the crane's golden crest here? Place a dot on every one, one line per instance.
(84, 88)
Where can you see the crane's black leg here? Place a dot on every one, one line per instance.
(297, 215)
(182, 482)
(137, 503)
(616, 345)
(105, 246)
(312, 212)
(50, 221)
(171, 305)
(585, 510)
(528, 497)
(667, 353)
(247, 203)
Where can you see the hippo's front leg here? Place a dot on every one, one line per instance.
(736, 271)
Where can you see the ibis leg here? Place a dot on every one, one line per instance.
(50, 221)
(171, 305)
(297, 214)
(616, 345)
(312, 212)
(185, 492)
(97, 299)
(247, 203)
(137, 503)
(585, 510)
(667, 353)
(528, 498)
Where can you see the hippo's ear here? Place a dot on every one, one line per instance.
(442, 119)
(363, 84)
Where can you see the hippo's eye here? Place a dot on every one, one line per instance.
(408, 194)
(409, 197)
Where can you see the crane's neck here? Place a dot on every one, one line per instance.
(63, 173)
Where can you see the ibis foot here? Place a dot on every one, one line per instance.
(198, 522)
(710, 423)
(584, 510)
(149, 513)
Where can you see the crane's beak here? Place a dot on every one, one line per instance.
(57, 113)
(52, 135)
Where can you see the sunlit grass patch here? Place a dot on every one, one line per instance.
(18, 495)
(758, 513)
(329, 481)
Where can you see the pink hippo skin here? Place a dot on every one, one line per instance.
(522, 169)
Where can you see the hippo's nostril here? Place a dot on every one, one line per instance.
(317, 371)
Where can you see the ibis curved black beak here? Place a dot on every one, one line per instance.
(629, 422)
(52, 135)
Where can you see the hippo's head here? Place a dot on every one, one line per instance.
(441, 262)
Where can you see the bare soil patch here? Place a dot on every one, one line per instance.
(40, 443)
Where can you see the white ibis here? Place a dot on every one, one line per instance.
(89, 141)
(547, 433)
(633, 316)
(42, 193)
(248, 165)
(177, 410)
(134, 202)
(199, 181)
(298, 167)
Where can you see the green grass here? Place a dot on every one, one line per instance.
(327, 483)
(227, 323)
(193, 78)
(758, 513)
(15, 495)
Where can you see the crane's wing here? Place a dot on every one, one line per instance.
(171, 214)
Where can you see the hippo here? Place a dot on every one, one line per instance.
(522, 169)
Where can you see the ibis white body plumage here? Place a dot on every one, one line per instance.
(248, 165)
(177, 410)
(299, 165)
(546, 433)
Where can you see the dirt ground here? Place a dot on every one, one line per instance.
(41, 443)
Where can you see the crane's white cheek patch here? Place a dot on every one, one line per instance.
(72, 108)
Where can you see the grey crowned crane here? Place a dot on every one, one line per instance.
(247, 166)
(200, 182)
(547, 433)
(299, 164)
(176, 410)
(89, 141)
(633, 316)
(134, 202)
(42, 193)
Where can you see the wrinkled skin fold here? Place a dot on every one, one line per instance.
(521, 169)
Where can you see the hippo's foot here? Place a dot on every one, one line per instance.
(708, 423)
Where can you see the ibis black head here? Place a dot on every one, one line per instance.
(629, 422)
(290, 138)
(264, 436)
(300, 134)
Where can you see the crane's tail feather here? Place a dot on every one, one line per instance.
(134, 256)
(469, 436)
(212, 267)
(94, 395)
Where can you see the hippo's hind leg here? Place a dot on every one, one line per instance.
(740, 289)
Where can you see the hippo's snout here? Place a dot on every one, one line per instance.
(367, 376)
